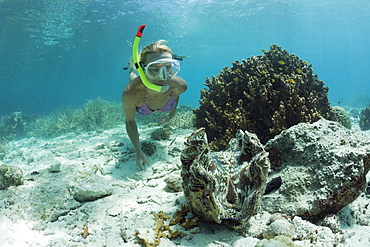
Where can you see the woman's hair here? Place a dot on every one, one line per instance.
(159, 46)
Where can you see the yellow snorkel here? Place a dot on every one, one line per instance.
(138, 64)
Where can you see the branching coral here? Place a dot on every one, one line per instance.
(95, 114)
(264, 94)
(14, 125)
(184, 118)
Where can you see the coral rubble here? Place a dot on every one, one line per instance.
(322, 166)
(148, 147)
(227, 186)
(174, 182)
(10, 176)
(162, 133)
(264, 94)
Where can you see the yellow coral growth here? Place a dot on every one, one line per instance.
(162, 230)
(190, 223)
(179, 215)
(148, 241)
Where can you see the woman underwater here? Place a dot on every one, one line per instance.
(158, 89)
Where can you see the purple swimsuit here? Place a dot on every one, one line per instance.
(144, 110)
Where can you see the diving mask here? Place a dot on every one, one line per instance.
(162, 69)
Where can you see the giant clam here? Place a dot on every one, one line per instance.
(226, 186)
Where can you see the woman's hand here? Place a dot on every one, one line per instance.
(141, 160)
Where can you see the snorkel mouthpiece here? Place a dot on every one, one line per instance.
(139, 67)
(164, 74)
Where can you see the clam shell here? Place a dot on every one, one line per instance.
(227, 186)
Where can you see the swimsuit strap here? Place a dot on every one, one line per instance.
(144, 110)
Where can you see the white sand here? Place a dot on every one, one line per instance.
(42, 212)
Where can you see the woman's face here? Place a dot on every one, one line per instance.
(156, 56)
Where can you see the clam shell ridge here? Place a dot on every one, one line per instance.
(224, 186)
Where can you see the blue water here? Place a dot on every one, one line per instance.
(55, 53)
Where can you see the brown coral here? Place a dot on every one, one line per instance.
(365, 119)
(264, 94)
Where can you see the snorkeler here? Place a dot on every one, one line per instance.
(157, 88)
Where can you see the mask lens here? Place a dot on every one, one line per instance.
(162, 69)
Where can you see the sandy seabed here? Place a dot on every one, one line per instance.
(49, 209)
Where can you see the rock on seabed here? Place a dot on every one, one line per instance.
(323, 168)
(87, 186)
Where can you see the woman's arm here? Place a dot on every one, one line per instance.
(129, 108)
